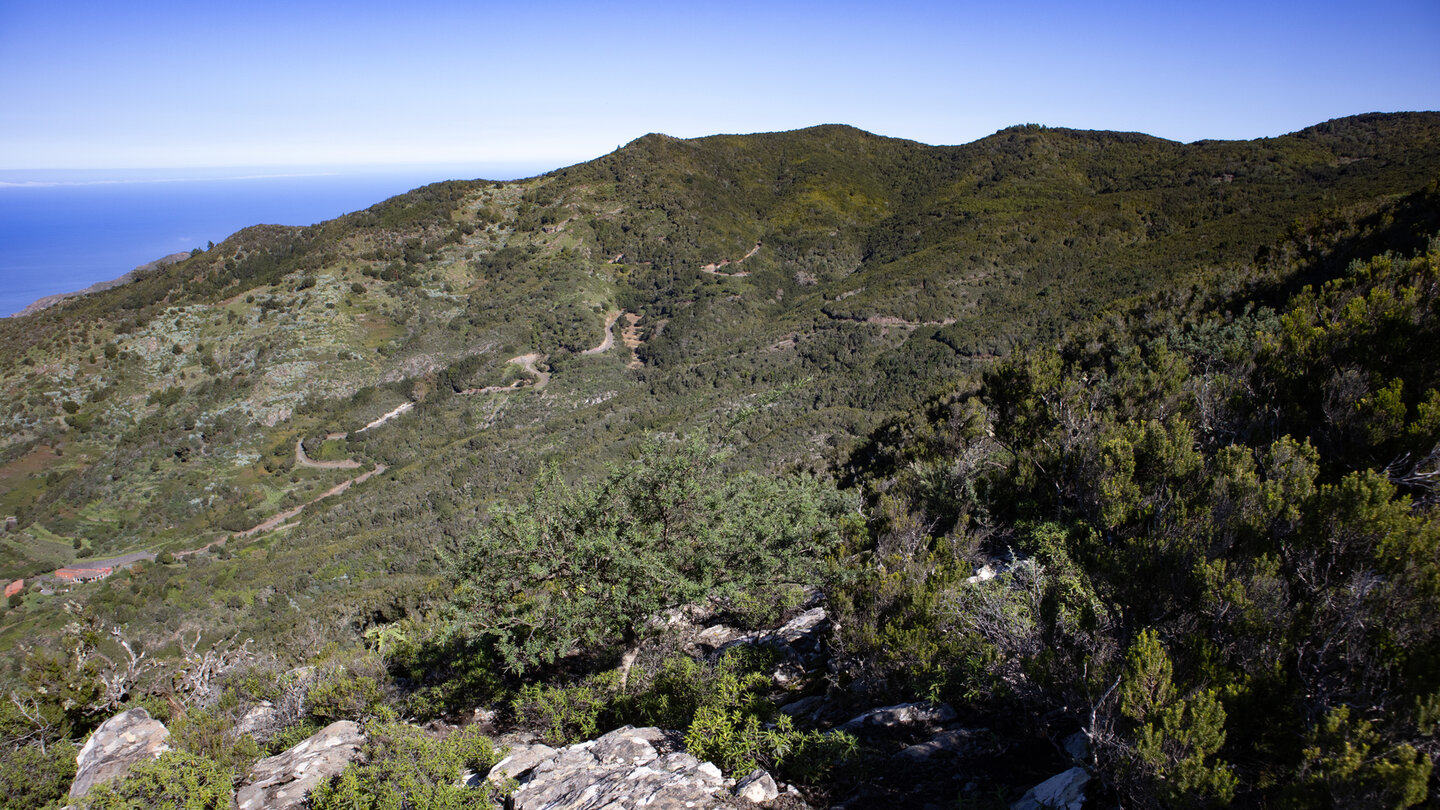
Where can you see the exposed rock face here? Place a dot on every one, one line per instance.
(1065, 791)
(522, 760)
(627, 768)
(120, 742)
(281, 782)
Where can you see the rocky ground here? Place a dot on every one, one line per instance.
(912, 755)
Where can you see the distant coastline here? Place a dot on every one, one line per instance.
(100, 286)
(61, 231)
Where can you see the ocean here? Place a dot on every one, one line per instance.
(61, 231)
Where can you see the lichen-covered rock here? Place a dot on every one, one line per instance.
(627, 768)
(281, 781)
(1064, 791)
(120, 742)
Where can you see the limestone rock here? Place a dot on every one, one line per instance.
(1064, 791)
(903, 716)
(627, 768)
(281, 781)
(759, 787)
(800, 642)
(120, 742)
(803, 626)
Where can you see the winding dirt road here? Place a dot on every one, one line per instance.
(610, 319)
(525, 361)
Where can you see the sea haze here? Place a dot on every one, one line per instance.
(61, 231)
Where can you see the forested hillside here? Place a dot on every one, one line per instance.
(1070, 431)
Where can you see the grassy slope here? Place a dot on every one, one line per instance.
(887, 270)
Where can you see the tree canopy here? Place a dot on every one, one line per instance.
(581, 568)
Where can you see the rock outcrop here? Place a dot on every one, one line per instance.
(759, 787)
(120, 742)
(627, 768)
(281, 782)
(1064, 791)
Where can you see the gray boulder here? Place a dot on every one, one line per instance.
(625, 769)
(120, 742)
(1064, 791)
(521, 760)
(281, 782)
(759, 787)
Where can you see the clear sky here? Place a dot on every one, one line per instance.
(155, 84)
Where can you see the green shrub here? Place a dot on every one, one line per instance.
(33, 777)
(290, 736)
(178, 780)
(406, 769)
(564, 714)
(740, 742)
(208, 733)
(342, 695)
(731, 727)
(1346, 764)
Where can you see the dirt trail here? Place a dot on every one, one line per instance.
(890, 320)
(610, 319)
(525, 361)
(276, 520)
(630, 336)
(305, 461)
(714, 267)
(387, 417)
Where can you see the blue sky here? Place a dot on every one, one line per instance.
(90, 85)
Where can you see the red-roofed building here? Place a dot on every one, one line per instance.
(82, 574)
(14, 588)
